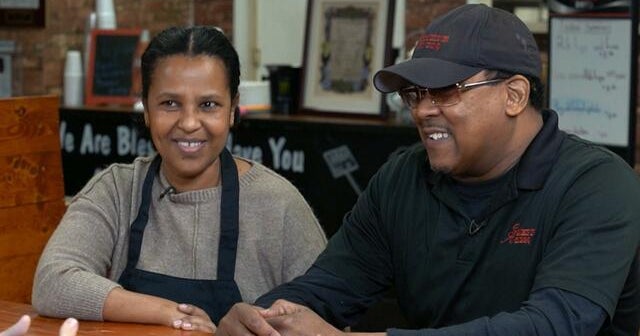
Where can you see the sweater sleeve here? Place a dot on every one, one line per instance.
(328, 295)
(549, 311)
(71, 277)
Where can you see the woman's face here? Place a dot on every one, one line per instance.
(189, 111)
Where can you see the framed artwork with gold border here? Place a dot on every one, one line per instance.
(346, 42)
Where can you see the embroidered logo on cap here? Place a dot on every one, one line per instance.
(519, 235)
(432, 41)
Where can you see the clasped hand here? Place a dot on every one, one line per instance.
(283, 318)
(195, 319)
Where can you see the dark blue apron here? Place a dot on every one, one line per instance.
(214, 296)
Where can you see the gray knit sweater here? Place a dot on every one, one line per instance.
(279, 238)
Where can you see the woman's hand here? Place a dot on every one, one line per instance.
(196, 319)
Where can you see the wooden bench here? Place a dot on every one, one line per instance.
(31, 189)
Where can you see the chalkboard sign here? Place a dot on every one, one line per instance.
(110, 62)
(591, 78)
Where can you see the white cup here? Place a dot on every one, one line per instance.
(90, 24)
(73, 79)
(105, 14)
(254, 93)
(486, 2)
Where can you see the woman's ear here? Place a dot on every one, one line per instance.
(146, 113)
(518, 88)
(235, 110)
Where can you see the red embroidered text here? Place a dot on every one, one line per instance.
(519, 235)
(432, 41)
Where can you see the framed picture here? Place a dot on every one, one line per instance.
(109, 75)
(346, 42)
(22, 13)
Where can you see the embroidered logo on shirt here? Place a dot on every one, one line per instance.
(519, 235)
(432, 41)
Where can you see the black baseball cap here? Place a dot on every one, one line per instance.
(461, 43)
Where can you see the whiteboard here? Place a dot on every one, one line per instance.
(589, 77)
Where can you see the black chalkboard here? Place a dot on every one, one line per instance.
(109, 73)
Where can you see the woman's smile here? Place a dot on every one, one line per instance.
(190, 146)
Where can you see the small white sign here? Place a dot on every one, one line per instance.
(341, 162)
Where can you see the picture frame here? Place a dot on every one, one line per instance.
(24, 13)
(109, 74)
(346, 42)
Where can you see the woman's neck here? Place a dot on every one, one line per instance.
(208, 179)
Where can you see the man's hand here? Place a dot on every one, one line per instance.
(196, 319)
(20, 328)
(281, 319)
(282, 307)
(299, 321)
(245, 319)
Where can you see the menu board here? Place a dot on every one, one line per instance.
(110, 64)
(590, 77)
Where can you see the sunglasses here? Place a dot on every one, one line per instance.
(446, 96)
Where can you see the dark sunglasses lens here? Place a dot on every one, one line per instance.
(445, 96)
(409, 96)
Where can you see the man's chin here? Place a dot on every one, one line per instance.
(440, 168)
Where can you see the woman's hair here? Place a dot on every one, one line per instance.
(192, 41)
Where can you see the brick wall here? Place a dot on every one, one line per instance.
(39, 60)
(420, 12)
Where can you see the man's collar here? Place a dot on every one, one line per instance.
(536, 162)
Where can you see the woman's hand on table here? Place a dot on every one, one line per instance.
(196, 319)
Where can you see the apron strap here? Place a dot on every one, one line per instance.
(229, 217)
(229, 214)
(137, 228)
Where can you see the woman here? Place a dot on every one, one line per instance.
(177, 239)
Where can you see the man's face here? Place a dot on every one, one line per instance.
(469, 139)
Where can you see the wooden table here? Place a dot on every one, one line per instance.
(10, 312)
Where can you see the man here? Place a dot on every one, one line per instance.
(498, 223)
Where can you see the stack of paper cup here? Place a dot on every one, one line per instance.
(73, 79)
(254, 95)
(105, 14)
(90, 24)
